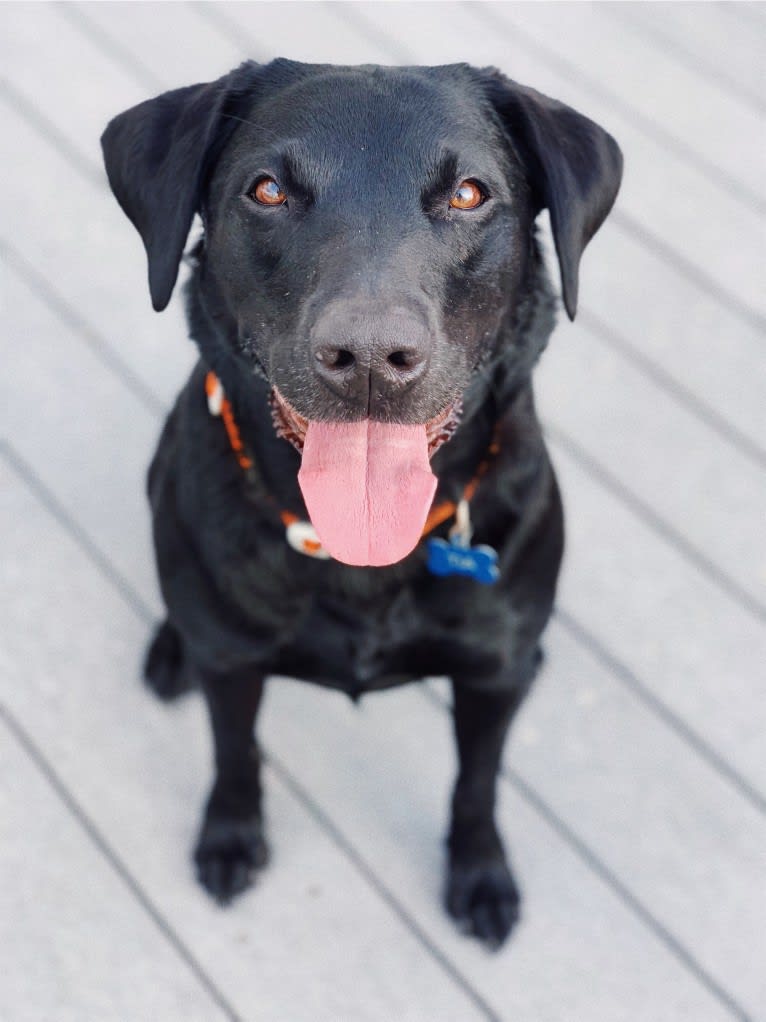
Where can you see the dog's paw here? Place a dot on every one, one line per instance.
(484, 900)
(228, 852)
(164, 669)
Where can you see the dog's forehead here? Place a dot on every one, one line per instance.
(381, 111)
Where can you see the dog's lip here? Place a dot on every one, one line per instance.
(288, 422)
(292, 426)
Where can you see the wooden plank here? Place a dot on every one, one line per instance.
(703, 488)
(748, 12)
(50, 62)
(692, 33)
(682, 329)
(94, 261)
(65, 410)
(640, 77)
(166, 44)
(663, 821)
(76, 943)
(314, 942)
(684, 640)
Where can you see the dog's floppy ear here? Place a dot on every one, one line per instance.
(157, 157)
(574, 168)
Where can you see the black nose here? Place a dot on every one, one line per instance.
(397, 368)
(365, 355)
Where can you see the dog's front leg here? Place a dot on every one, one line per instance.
(480, 894)
(231, 843)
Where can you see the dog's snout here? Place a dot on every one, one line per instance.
(361, 355)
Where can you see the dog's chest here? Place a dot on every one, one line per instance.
(360, 645)
(342, 642)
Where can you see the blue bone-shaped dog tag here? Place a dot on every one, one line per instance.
(451, 558)
(456, 556)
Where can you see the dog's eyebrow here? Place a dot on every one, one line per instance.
(305, 169)
(297, 168)
(440, 174)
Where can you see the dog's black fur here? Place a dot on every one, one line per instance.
(367, 252)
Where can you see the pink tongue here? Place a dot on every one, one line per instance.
(368, 488)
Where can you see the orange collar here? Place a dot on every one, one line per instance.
(298, 533)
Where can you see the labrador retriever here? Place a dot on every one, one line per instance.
(353, 488)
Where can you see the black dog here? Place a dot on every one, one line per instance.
(369, 290)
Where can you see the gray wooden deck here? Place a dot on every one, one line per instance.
(633, 795)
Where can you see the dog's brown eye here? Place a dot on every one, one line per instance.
(268, 193)
(468, 195)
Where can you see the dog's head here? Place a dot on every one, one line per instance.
(368, 237)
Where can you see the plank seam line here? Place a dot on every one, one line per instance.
(94, 340)
(600, 869)
(586, 639)
(351, 15)
(113, 50)
(157, 409)
(697, 406)
(695, 274)
(609, 878)
(98, 840)
(646, 514)
(343, 843)
(697, 64)
(18, 103)
(733, 186)
(565, 833)
(55, 508)
(225, 25)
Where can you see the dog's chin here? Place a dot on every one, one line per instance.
(291, 425)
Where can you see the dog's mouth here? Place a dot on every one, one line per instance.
(292, 426)
(368, 486)
(288, 423)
